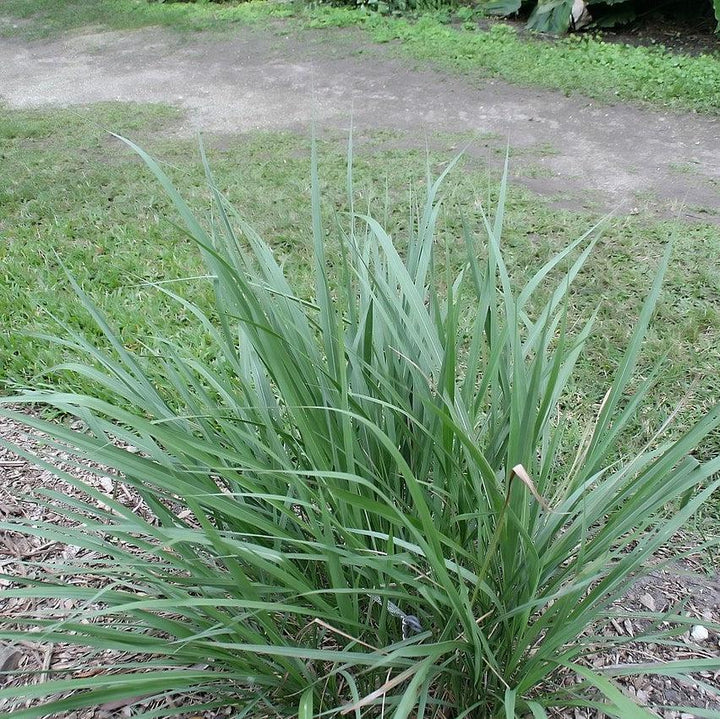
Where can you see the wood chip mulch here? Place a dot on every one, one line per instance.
(687, 588)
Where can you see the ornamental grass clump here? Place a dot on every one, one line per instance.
(364, 503)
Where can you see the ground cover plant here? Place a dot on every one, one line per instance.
(359, 502)
(561, 15)
(586, 64)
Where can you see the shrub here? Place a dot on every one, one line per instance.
(559, 15)
(365, 502)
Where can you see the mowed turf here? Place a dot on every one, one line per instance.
(76, 201)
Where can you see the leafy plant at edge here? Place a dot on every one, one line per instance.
(347, 460)
(555, 16)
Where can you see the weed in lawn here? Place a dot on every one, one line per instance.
(684, 168)
(391, 443)
(535, 171)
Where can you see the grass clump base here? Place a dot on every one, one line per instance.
(392, 446)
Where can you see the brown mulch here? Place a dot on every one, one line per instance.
(685, 588)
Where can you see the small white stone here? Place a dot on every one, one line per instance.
(698, 633)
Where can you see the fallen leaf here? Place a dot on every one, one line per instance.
(9, 660)
(647, 601)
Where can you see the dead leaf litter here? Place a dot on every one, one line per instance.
(684, 589)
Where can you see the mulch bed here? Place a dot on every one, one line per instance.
(685, 588)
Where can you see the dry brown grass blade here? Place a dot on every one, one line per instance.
(344, 634)
(380, 691)
(521, 473)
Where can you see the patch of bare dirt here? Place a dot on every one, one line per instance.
(691, 38)
(679, 26)
(282, 79)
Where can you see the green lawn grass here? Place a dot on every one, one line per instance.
(35, 19)
(76, 197)
(576, 64)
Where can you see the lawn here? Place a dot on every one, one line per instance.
(78, 202)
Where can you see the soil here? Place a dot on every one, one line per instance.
(580, 152)
(688, 36)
